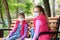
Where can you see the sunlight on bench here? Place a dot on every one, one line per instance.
(1, 38)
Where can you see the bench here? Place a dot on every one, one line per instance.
(1, 38)
(2, 32)
(52, 22)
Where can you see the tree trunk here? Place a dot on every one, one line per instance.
(7, 12)
(17, 10)
(1, 13)
(53, 8)
(47, 7)
(33, 2)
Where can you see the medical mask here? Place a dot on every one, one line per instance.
(35, 14)
(21, 19)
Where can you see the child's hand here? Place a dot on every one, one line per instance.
(20, 38)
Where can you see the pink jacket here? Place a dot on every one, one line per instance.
(43, 27)
(16, 26)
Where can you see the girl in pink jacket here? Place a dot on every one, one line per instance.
(40, 24)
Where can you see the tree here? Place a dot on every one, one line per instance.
(1, 15)
(7, 12)
(22, 5)
(17, 10)
(53, 9)
(40, 2)
(47, 7)
(28, 7)
(57, 9)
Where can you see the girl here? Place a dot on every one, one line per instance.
(20, 28)
(40, 24)
(31, 28)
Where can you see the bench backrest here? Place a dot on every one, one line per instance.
(52, 22)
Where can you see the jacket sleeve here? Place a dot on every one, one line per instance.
(14, 29)
(38, 22)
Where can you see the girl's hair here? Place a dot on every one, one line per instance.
(42, 10)
(21, 14)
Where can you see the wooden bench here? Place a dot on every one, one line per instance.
(52, 22)
(1, 38)
(2, 32)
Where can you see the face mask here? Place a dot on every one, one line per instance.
(21, 19)
(35, 14)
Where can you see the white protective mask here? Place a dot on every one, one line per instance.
(21, 19)
(35, 14)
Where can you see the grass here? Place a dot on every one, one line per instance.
(6, 33)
